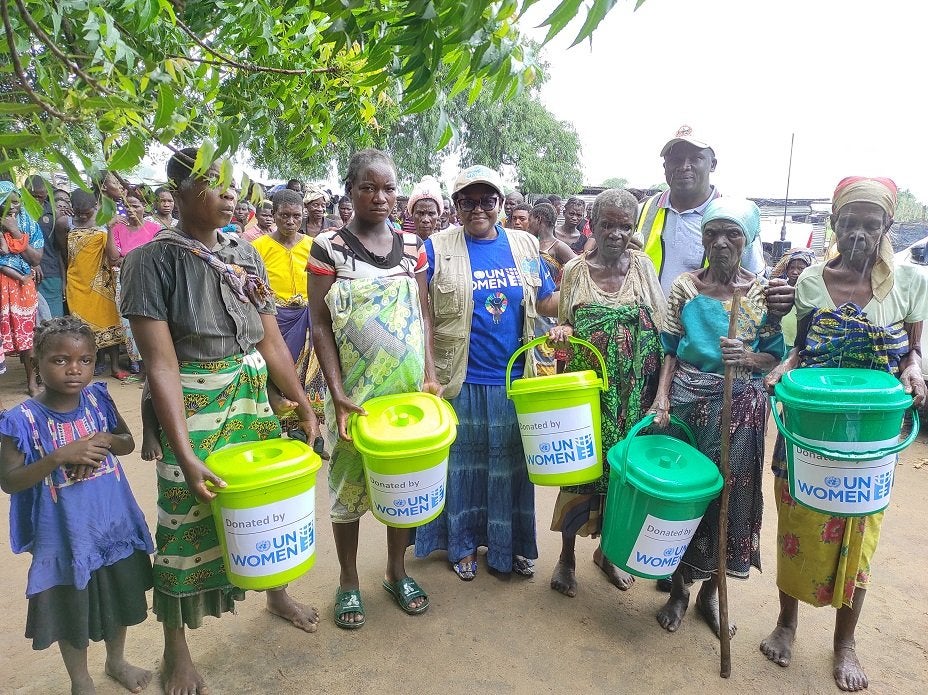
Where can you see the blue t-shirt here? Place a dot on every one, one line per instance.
(72, 528)
(496, 328)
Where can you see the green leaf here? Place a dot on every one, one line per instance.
(19, 140)
(205, 157)
(226, 175)
(167, 103)
(106, 212)
(594, 16)
(639, 3)
(30, 204)
(561, 17)
(19, 108)
(65, 163)
(128, 155)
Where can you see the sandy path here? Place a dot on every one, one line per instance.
(510, 636)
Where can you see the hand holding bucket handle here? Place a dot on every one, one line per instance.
(644, 423)
(844, 455)
(540, 341)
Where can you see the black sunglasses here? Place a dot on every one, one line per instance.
(486, 203)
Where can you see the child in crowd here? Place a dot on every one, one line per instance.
(72, 509)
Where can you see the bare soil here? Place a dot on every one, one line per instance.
(508, 635)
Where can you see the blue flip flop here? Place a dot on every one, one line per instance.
(466, 571)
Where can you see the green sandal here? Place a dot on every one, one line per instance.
(405, 591)
(348, 602)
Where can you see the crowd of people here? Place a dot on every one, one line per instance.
(246, 317)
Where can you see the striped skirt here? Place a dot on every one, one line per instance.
(490, 501)
(225, 403)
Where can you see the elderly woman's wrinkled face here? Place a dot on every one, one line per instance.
(794, 269)
(315, 209)
(858, 229)
(425, 215)
(478, 209)
(612, 230)
(723, 241)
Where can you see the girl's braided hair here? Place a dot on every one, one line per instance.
(63, 325)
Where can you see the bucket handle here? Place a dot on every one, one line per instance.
(644, 423)
(844, 455)
(539, 341)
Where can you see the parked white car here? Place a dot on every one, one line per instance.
(917, 255)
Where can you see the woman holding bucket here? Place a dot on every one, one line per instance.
(610, 297)
(856, 310)
(697, 353)
(204, 322)
(486, 285)
(367, 294)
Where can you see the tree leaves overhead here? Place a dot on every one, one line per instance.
(98, 80)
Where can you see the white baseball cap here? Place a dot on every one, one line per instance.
(478, 174)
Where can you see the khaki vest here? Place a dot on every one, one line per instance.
(451, 300)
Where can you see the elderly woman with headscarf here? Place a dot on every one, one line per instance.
(486, 287)
(610, 297)
(789, 268)
(698, 352)
(21, 244)
(424, 207)
(857, 310)
(315, 201)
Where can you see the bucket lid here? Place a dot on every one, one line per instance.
(832, 390)
(403, 425)
(556, 382)
(665, 467)
(257, 464)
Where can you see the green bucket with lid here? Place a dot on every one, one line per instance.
(560, 421)
(265, 516)
(841, 427)
(404, 442)
(659, 489)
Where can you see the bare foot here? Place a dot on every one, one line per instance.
(83, 686)
(151, 445)
(280, 603)
(707, 601)
(564, 579)
(182, 678)
(849, 674)
(778, 647)
(132, 678)
(671, 615)
(616, 577)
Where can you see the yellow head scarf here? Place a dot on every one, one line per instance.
(881, 192)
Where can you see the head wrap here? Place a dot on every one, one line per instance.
(315, 193)
(742, 212)
(23, 219)
(807, 256)
(881, 192)
(427, 189)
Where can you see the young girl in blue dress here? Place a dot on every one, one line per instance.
(71, 507)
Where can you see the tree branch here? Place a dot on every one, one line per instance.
(53, 47)
(250, 67)
(21, 74)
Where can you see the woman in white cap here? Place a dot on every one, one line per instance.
(424, 207)
(486, 287)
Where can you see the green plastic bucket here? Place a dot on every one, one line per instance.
(559, 420)
(266, 513)
(659, 489)
(842, 435)
(404, 441)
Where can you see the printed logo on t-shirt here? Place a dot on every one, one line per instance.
(496, 304)
(496, 279)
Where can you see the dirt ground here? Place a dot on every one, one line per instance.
(508, 636)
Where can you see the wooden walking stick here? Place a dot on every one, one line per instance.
(724, 636)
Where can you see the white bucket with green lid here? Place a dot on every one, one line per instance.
(404, 441)
(265, 516)
(841, 427)
(560, 421)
